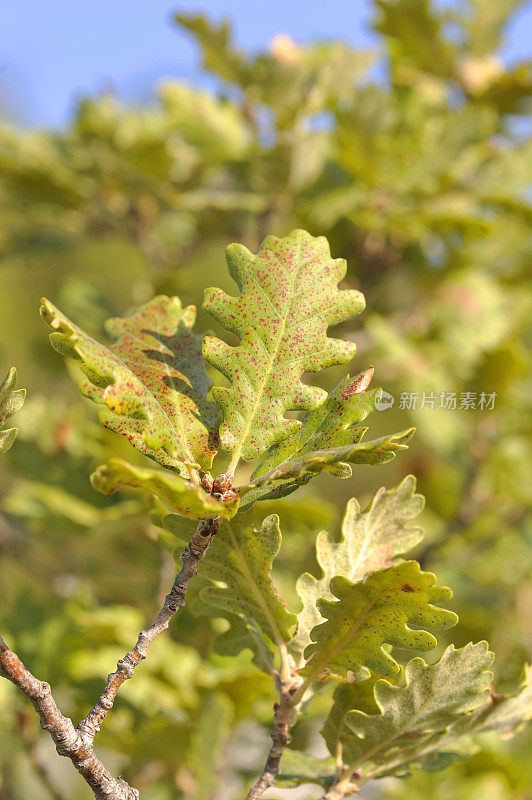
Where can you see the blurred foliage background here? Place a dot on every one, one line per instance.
(420, 178)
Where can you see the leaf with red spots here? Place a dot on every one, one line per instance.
(289, 297)
(329, 440)
(238, 565)
(176, 492)
(151, 383)
(370, 540)
(370, 613)
(412, 714)
(11, 401)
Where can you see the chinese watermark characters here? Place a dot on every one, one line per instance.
(450, 401)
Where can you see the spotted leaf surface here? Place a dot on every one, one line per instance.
(238, 563)
(151, 383)
(335, 460)
(289, 297)
(411, 715)
(333, 424)
(176, 492)
(370, 540)
(379, 609)
(504, 714)
(11, 401)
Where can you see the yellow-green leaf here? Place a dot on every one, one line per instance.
(11, 401)
(179, 494)
(377, 610)
(238, 564)
(151, 382)
(431, 699)
(370, 540)
(289, 297)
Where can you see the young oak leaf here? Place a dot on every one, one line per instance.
(151, 382)
(11, 401)
(336, 460)
(176, 492)
(242, 632)
(412, 715)
(333, 424)
(327, 434)
(289, 297)
(373, 612)
(239, 563)
(504, 714)
(346, 697)
(370, 540)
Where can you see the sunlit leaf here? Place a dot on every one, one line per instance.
(380, 609)
(433, 697)
(179, 494)
(238, 563)
(370, 540)
(151, 382)
(289, 297)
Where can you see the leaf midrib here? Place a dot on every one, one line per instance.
(263, 605)
(279, 338)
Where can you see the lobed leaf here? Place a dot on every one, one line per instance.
(370, 540)
(238, 565)
(346, 697)
(333, 424)
(329, 440)
(372, 612)
(176, 492)
(288, 299)
(505, 714)
(431, 699)
(151, 382)
(336, 460)
(11, 401)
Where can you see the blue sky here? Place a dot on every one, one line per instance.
(53, 52)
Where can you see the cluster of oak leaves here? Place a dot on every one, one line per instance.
(152, 387)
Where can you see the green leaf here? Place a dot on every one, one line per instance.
(336, 460)
(151, 381)
(289, 297)
(238, 563)
(333, 424)
(298, 767)
(11, 401)
(371, 612)
(180, 495)
(433, 697)
(370, 540)
(505, 714)
(346, 697)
